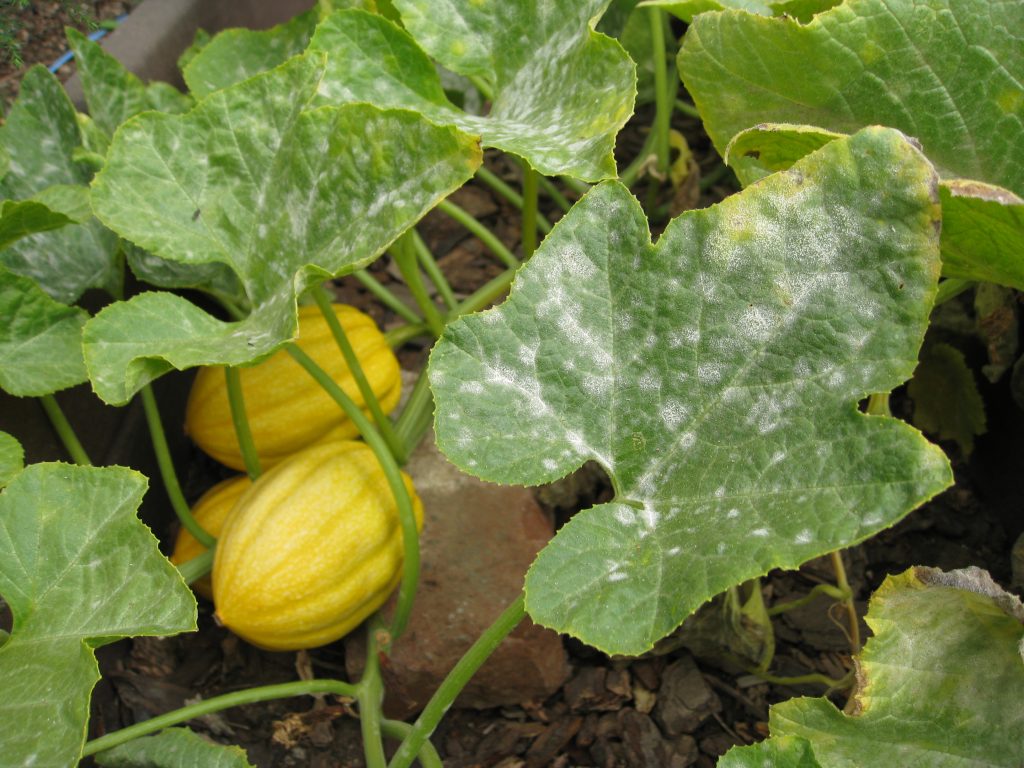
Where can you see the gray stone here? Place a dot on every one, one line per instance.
(478, 541)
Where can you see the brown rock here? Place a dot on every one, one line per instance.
(478, 541)
(685, 700)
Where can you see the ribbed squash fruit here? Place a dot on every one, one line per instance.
(287, 409)
(210, 512)
(311, 549)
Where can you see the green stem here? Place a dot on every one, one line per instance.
(387, 429)
(950, 287)
(820, 589)
(504, 190)
(429, 264)
(216, 704)
(371, 697)
(64, 430)
(417, 415)
(483, 233)
(242, 431)
(556, 195)
(386, 297)
(851, 608)
(455, 681)
(396, 337)
(715, 175)
(579, 187)
(687, 109)
(410, 534)
(397, 730)
(530, 200)
(814, 677)
(197, 567)
(482, 85)
(404, 254)
(664, 101)
(632, 172)
(486, 294)
(167, 473)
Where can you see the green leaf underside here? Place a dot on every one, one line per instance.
(40, 136)
(982, 224)
(780, 752)
(946, 399)
(715, 376)
(234, 55)
(282, 196)
(942, 682)
(173, 748)
(561, 90)
(12, 458)
(114, 94)
(40, 340)
(78, 569)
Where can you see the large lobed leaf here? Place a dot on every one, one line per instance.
(12, 458)
(280, 194)
(947, 72)
(940, 685)
(39, 138)
(715, 376)
(561, 90)
(78, 569)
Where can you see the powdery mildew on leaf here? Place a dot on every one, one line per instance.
(39, 138)
(78, 570)
(715, 376)
(561, 90)
(281, 194)
(940, 684)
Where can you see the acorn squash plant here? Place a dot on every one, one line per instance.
(714, 374)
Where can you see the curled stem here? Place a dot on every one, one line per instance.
(386, 297)
(167, 473)
(851, 608)
(410, 534)
(236, 399)
(456, 681)
(821, 589)
(64, 430)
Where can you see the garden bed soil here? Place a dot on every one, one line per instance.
(662, 710)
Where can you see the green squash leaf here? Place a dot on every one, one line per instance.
(780, 752)
(40, 339)
(715, 376)
(40, 137)
(940, 683)
(946, 399)
(173, 748)
(78, 570)
(982, 224)
(234, 55)
(561, 90)
(801, 10)
(112, 93)
(282, 196)
(12, 458)
(214, 278)
(948, 73)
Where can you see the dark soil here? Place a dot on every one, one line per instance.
(680, 708)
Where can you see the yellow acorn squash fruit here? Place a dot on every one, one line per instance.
(287, 409)
(210, 512)
(311, 549)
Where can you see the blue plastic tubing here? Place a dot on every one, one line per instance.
(97, 35)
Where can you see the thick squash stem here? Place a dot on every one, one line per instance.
(404, 254)
(410, 535)
(384, 424)
(238, 416)
(167, 473)
(456, 680)
(371, 695)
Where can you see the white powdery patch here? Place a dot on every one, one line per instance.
(760, 532)
(673, 413)
(501, 375)
(614, 570)
(471, 387)
(806, 536)
(733, 513)
(528, 354)
(597, 385)
(709, 373)
(648, 382)
(549, 464)
(757, 323)
(573, 261)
